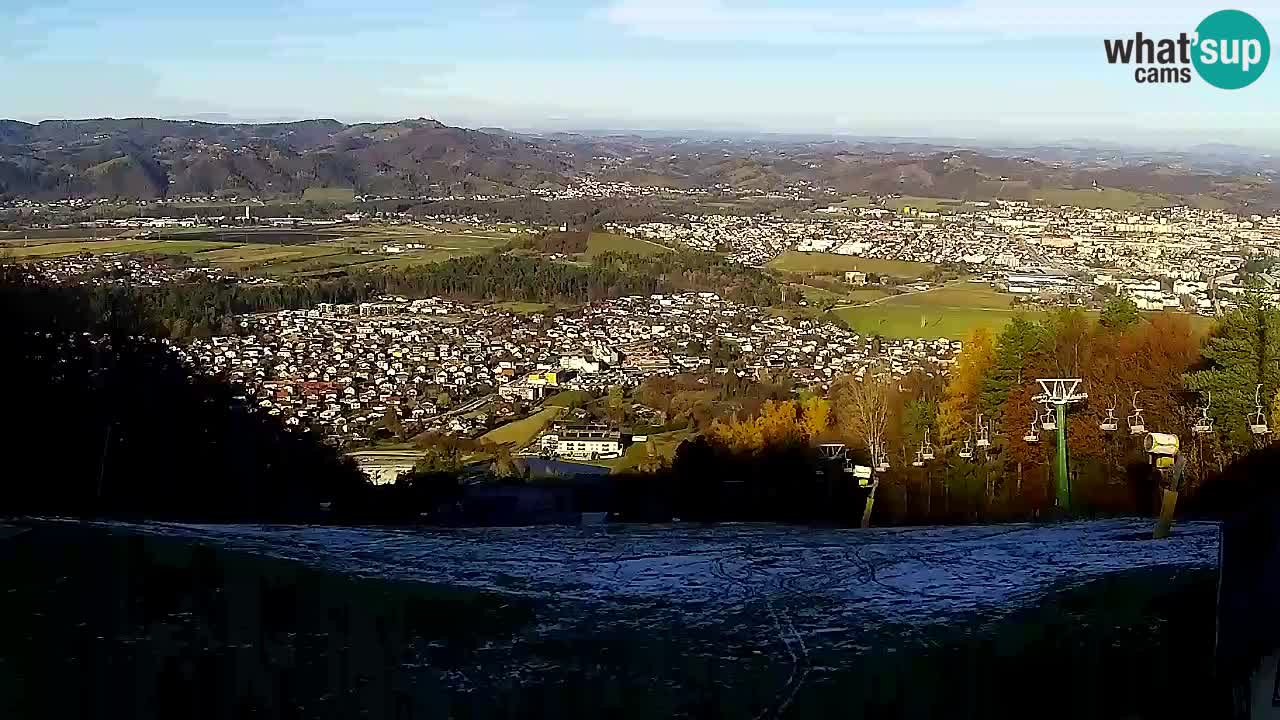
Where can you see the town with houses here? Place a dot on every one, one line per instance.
(352, 372)
(1174, 258)
(437, 365)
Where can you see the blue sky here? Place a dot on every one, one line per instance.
(991, 69)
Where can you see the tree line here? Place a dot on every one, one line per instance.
(991, 392)
(205, 307)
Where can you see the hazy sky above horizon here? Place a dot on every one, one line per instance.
(988, 69)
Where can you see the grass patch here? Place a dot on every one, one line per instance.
(637, 455)
(857, 202)
(898, 321)
(963, 295)
(102, 247)
(599, 243)
(927, 204)
(522, 308)
(1107, 198)
(951, 312)
(866, 295)
(254, 257)
(519, 433)
(317, 265)
(823, 263)
(59, 234)
(329, 195)
(568, 399)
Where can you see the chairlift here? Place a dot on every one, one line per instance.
(1204, 424)
(984, 439)
(926, 449)
(880, 459)
(919, 461)
(1258, 420)
(1110, 423)
(1137, 424)
(966, 451)
(1033, 435)
(1049, 423)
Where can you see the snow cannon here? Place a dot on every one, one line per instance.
(862, 473)
(1160, 444)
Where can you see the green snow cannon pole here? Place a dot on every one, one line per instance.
(1064, 480)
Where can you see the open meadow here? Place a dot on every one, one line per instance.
(519, 433)
(600, 242)
(823, 263)
(273, 253)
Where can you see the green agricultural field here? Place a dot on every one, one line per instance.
(59, 234)
(102, 247)
(856, 202)
(952, 311)
(519, 433)
(1109, 198)
(963, 295)
(823, 263)
(522, 308)
(867, 294)
(242, 258)
(927, 204)
(329, 195)
(903, 321)
(599, 243)
(569, 399)
(318, 265)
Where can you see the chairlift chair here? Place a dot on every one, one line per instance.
(1137, 424)
(1049, 423)
(984, 438)
(966, 451)
(1033, 435)
(1204, 424)
(926, 449)
(919, 461)
(1258, 420)
(1110, 423)
(880, 459)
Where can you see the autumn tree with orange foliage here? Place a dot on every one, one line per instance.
(959, 405)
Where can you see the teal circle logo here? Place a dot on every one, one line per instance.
(1232, 49)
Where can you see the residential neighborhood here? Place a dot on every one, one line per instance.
(432, 364)
(1174, 257)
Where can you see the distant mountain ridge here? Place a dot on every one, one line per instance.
(148, 158)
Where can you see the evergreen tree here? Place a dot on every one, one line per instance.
(1119, 314)
(1242, 353)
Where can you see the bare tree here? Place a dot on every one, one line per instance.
(862, 411)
